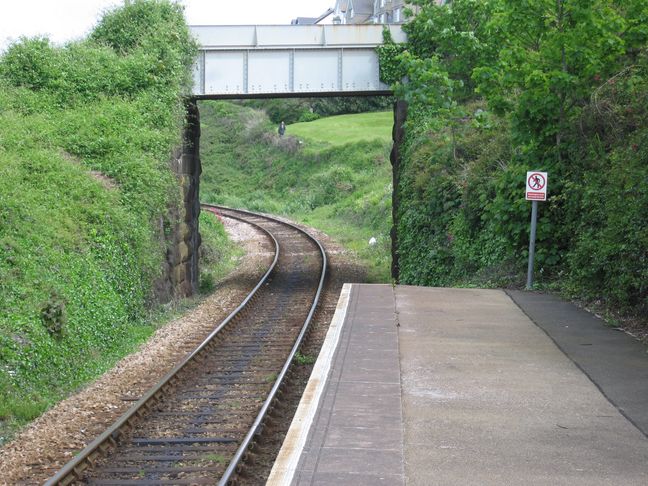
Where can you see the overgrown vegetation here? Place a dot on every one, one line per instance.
(333, 174)
(86, 135)
(218, 254)
(304, 359)
(499, 87)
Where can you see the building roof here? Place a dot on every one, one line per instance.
(311, 20)
(303, 21)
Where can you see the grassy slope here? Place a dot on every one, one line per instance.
(218, 254)
(86, 134)
(337, 180)
(78, 256)
(345, 129)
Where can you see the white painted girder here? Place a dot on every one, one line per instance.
(289, 60)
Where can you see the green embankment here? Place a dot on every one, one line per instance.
(333, 173)
(346, 129)
(569, 97)
(86, 136)
(218, 254)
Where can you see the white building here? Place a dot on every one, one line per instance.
(313, 20)
(353, 11)
(364, 12)
(390, 11)
(373, 11)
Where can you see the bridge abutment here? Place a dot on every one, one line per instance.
(398, 137)
(182, 258)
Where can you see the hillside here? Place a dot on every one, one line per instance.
(333, 174)
(346, 129)
(87, 199)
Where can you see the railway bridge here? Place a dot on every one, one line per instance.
(289, 61)
(277, 61)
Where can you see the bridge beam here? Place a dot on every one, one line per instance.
(289, 61)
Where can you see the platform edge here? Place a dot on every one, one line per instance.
(287, 460)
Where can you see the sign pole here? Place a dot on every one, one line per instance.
(532, 238)
(536, 190)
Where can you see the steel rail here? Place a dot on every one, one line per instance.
(73, 470)
(231, 470)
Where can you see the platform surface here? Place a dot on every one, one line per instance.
(427, 386)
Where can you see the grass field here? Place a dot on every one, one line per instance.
(344, 129)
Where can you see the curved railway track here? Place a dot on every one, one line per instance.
(198, 424)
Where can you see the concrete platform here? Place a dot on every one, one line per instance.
(425, 386)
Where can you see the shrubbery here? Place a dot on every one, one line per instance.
(557, 86)
(86, 135)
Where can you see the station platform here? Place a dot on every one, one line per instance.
(430, 386)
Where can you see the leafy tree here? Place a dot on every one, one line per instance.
(427, 83)
(555, 52)
(636, 32)
(445, 44)
(309, 109)
(565, 83)
(459, 35)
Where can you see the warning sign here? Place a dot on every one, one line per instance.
(536, 186)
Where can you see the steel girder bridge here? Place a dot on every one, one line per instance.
(273, 61)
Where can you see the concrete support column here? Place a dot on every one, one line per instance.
(398, 137)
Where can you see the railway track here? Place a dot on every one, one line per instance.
(199, 423)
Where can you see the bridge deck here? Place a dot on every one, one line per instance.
(294, 60)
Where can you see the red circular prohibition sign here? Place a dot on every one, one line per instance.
(536, 181)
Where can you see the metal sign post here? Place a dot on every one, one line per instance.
(536, 190)
(534, 224)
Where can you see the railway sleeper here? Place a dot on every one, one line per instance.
(174, 470)
(163, 480)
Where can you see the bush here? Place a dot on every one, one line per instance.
(154, 27)
(29, 63)
(568, 97)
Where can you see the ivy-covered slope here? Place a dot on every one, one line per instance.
(86, 136)
(500, 87)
